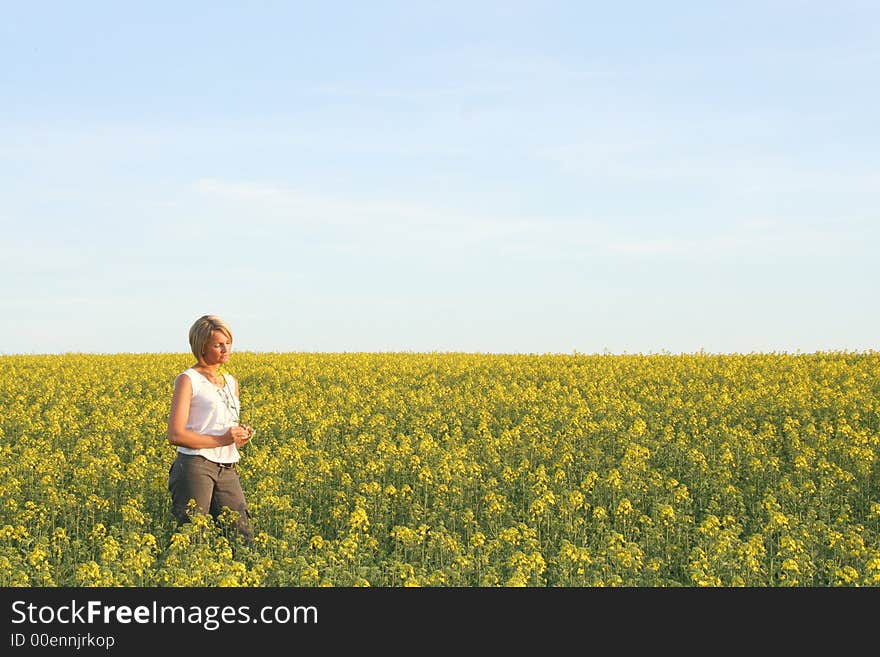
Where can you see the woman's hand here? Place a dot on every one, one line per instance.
(240, 434)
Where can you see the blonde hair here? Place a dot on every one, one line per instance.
(201, 330)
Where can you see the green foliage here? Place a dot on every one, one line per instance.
(450, 469)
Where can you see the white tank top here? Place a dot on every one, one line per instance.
(211, 412)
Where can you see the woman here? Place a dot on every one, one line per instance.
(204, 425)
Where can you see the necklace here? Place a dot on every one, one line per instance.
(230, 401)
(216, 378)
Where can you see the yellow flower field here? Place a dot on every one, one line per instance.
(454, 469)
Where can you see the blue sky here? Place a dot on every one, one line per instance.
(500, 177)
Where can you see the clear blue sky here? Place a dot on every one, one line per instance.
(441, 176)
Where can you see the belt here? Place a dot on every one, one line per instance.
(225, 466)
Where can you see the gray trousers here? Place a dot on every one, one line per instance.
(212, 486)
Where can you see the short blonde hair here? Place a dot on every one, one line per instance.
(201, 330)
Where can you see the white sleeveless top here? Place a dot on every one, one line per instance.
(211, 412)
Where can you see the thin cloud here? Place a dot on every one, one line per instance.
(416, 94)
(291, 206)
(300, 207)
(388, 226)
(493, 63)
(748, 238)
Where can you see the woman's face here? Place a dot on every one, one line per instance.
(217, 349)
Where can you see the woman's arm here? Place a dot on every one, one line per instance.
(177, 433)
